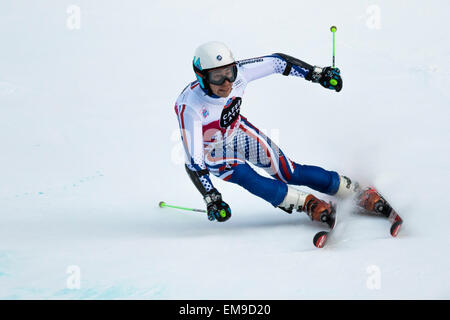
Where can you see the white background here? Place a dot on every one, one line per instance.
(89, 145)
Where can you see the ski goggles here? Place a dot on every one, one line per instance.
(219, 75)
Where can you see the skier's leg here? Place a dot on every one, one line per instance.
(237, 171)
(340, 186)
(264, 153)
(274, 191)
(256, 148)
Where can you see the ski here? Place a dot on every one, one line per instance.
(382, 207)
(321, 237)
(385, 209)
(396, 222)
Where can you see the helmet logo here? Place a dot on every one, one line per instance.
(219, 57)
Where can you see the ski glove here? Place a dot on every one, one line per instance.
(217, 209)
(328, 77)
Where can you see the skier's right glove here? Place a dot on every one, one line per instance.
(217, 208)
(328, 77)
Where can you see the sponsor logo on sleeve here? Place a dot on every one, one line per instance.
(248, 61)
(237, 83)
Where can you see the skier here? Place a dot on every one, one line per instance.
(217, 139)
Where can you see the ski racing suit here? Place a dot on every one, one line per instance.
(217, 139)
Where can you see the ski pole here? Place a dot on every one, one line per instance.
(162, 204)
(333, 29)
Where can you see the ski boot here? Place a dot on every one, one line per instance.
(320, 210)
(316, 209)
(370, 200)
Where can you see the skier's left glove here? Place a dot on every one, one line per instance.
(217, 208)
(328, 77)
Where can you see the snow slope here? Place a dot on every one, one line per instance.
(89, 146)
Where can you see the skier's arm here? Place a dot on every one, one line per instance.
(256, 68)
(279, 63)
(192, 138)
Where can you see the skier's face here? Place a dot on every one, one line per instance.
(222, 91)
(221, 79)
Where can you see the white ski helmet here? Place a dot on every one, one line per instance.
(209, 56)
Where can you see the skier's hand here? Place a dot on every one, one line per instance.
(219, 211)
(330, 78)
(217, 208)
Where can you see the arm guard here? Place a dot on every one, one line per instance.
(196, 178)
(313, 74)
